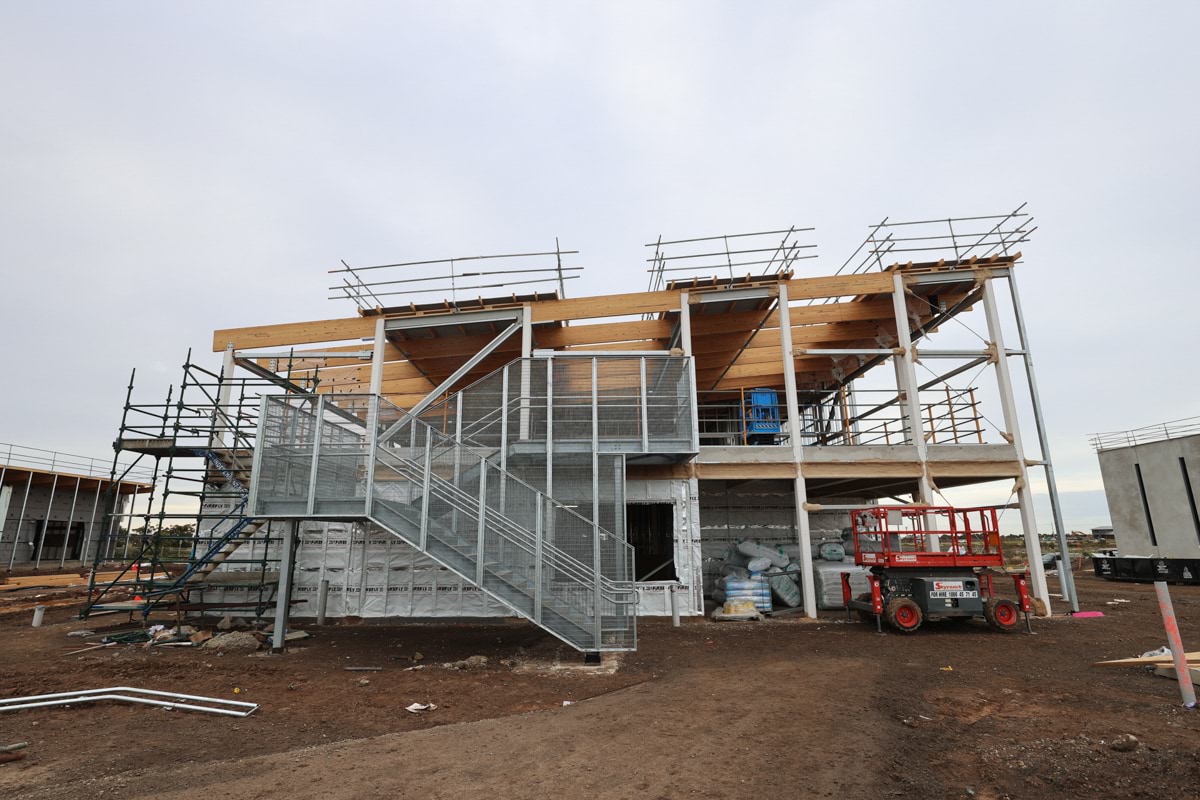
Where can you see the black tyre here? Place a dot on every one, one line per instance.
(1003, 615)
(903, 614)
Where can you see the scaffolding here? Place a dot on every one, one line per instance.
(198, 444)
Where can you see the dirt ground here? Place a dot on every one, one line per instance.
(717, 710)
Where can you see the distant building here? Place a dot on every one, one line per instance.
(1103, 533)
(52, 506)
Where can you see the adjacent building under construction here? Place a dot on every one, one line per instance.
(473, 442)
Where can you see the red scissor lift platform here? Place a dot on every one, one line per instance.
(931, 563)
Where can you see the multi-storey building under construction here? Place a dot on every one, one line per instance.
(580, 461)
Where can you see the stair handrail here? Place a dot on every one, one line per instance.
(467, 504)
(454, 442)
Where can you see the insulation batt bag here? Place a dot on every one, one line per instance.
(783, 587)
(759, 564)
(755, 589)
(832, 551)
(796, 569)
(735, 557)
(735, 571)
(755, 550)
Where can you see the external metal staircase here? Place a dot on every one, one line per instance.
(460, 483)
(358, 457)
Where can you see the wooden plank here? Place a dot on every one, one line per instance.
(293, 333)
(361, 375)
(454, 346)
(861, 469)
(602, 333)
(747, 471)
(974, 469)
(616, 305)
(1168, 671)
(1150, 660)
(642, 344)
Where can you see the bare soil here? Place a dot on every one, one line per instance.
(718, 710)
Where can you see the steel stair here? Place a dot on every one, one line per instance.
(362, 458)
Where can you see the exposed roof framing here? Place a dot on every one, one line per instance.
(735, 329)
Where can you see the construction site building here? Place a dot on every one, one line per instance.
(582, 461)
(53, 509)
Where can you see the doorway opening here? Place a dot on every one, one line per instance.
(650, 528)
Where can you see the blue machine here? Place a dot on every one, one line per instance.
(760, 416)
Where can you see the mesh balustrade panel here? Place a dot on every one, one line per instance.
(285, 450)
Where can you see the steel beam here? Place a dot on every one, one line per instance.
(452, 318)
(466, 367)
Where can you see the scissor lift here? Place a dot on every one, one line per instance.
(931, 563)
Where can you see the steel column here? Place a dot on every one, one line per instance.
(800, 489)
(906, 372)
(20, 521)
(377, 355)
(526, 378)
(645, 410)
(596, 497)
(46, 523)
(685, 341)
(284, 591)
(87, 540)
(1065, 576)
(316, 454)
(539, 528)
(1033, 546)
(481, 527)
(425, 481)
(70, 522)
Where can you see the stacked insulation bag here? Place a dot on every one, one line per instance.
(754, 589)
(756, 571)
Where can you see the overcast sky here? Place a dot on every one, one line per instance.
(168, 169)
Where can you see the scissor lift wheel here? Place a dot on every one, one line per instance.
(1003, 615)
(903, 614)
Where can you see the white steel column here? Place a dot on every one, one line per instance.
(377, 354)
(224, 398)
(1033, 547)
(526, 354)
(808, 584)
(70, 522)
(685, 341)
(283, 591)
(20, 521)
(1065, 577)
(906, 377)
(87, 540)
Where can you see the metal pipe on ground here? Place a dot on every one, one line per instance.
(116, 693)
